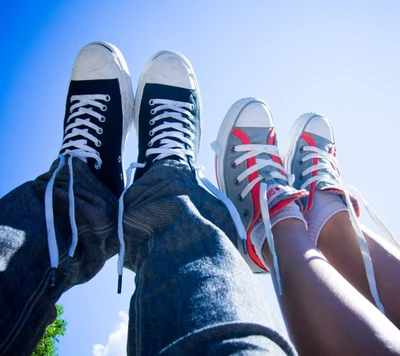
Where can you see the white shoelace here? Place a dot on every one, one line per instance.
(170, 147)
(329, 163)
(229, 205)
(171, 134)
(73, 148)
(253, 150)
(172, 143)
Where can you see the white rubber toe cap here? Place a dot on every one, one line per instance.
(319, 125)
(255, 114)
(170, 68)
(95, 61)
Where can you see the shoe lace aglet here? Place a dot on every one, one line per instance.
(244, 247)
(53, 277)
(119, 289)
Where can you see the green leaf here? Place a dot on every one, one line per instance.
(47, 345)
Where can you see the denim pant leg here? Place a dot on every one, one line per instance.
(194, 294)
(26, 299)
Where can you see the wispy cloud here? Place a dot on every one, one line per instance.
(116, 345)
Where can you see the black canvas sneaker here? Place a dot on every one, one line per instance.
(98, 113)
(167, 111)
(97, 120)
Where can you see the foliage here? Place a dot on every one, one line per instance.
(47, 345)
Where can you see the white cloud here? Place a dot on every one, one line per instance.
(116, 345)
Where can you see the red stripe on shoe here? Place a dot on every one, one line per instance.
(310, 141)
(272, 141)
(255, 196)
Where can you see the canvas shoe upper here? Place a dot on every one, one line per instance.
(99, 111)
(311, 157)
(97, 121)
(167, 111)
(250, 171)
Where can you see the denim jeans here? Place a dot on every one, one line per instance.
(194, 293)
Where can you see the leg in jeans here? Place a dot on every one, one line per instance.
(33, 260)
(26, 297)
(194, 294)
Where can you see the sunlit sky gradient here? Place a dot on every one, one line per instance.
(340, 58)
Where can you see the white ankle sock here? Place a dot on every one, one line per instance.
(326, 204)
(257, 236)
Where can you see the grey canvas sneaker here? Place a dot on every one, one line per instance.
(311, 157)
(250, 171)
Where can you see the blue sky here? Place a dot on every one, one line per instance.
(340, 58)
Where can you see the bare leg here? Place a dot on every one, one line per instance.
(325, 315)
(338, 243)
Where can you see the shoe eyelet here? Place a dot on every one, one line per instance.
(97, 166)
(237, 182)
(152, 111)
(301, 149)
(151, 102)
(100, 131)
(245, 213)
(301, 162)
(150, 144)
(233, 165)
(233, 149)
(151, 122)
(98, 143)
(191, 107)
(240, 197)
(151, 133)
(104, 108)
(108, 98)
(102, 119)
(119, 159)
(301, 177)
(121, 176)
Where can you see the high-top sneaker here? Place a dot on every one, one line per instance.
(167, 121)
(167, 111)
(98, 117)
(311, 157)
(251, 173)
(99, 111)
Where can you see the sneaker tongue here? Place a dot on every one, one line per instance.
(262, 136)
(325, 145)
(277, 189)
